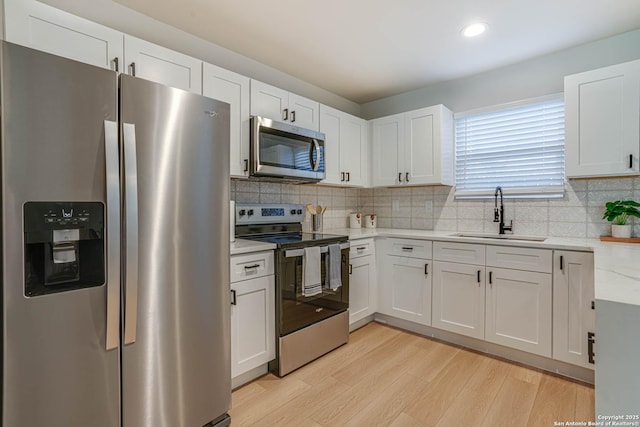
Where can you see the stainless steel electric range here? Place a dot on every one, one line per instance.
(306, 326)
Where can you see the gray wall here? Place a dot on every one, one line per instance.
(536, 77)
(116, 16)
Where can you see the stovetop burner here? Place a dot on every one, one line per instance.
(296, 238)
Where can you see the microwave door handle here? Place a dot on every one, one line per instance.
(315, 165)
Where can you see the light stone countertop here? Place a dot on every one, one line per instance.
(617, 265)
(244, 246)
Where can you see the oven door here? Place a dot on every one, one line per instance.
(296, 311)
(281, 150)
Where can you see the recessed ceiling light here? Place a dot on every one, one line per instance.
(474, 30)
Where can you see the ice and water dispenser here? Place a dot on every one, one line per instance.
(64, 246)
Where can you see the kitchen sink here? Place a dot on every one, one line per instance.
(501, 237)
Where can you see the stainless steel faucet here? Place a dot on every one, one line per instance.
(498, 215)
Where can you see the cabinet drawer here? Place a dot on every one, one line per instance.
(421, 249)
(520, 258)
(361, 248)
(249, 266)
(466, 253)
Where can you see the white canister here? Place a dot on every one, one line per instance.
(370, 221)
(355, 220)
(232, 221)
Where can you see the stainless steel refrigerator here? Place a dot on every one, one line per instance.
(115, 251)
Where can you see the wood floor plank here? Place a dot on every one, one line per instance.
(393, 352)
(434, 399)
(432, 359)
(585, 403)
(246, 393)
(344, 406)
(296, 411)
(385, 376)
(386, 407)
(555, 401)
(474, 402)
(512, 405)
(405, 420)
(278, 392)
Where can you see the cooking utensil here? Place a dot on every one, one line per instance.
(310, 209)
(318, 209)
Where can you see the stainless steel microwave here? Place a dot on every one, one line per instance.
(280, 150)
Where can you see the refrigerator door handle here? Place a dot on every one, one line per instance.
(113, 233)
(131, 227)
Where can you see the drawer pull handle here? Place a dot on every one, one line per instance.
(407, 249)
(285, 114)
(426, 269)
(630, 161)
(491, 278)
(246, 165)
(478, 276)
(341, 176)
(249, 267)
(400, 177)
(348, 176)
(361, 248)
(591, 340)
(233, 297)
(561, 263)
(350, 269)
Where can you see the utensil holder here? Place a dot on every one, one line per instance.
(316, 223)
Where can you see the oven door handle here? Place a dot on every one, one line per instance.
(323, 249)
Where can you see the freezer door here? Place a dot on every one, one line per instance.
(56, 369)
(176, 366)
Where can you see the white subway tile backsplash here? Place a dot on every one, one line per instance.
(577, 214)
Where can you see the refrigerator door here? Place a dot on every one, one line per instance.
(176, 351)
(56, 370)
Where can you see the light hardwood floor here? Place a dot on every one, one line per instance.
(388, 377)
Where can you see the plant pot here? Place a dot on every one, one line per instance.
(621, 231)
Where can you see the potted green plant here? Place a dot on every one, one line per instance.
(618, 213)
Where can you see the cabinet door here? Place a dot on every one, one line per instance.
(405, 289)
(602, 121)
(519, 310)
(353, 138)
(387, 135)
(421, 153)
(458, 298)
(232, 88)
(39, 26)
(330, 120)
(304, 112)
(573, 316)
(269, 101)
(361, 288)
(161, 65)
(252, 324)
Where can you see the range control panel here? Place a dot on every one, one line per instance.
(277, 213)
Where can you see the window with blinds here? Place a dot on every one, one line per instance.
(519, 147)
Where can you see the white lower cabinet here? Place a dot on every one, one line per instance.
(362, 280)
(573, 310)
(458, 298)
(518, 305)
(405, 288)
(252, 314)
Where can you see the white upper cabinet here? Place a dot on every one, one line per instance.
(232, 88)
(413, 148)
(161, 65)
(42, 27)
(279, 105)
(602, 121)
(345, 147)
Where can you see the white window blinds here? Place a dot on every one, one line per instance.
(519, 147)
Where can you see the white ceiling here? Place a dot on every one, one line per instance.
(368, 49)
